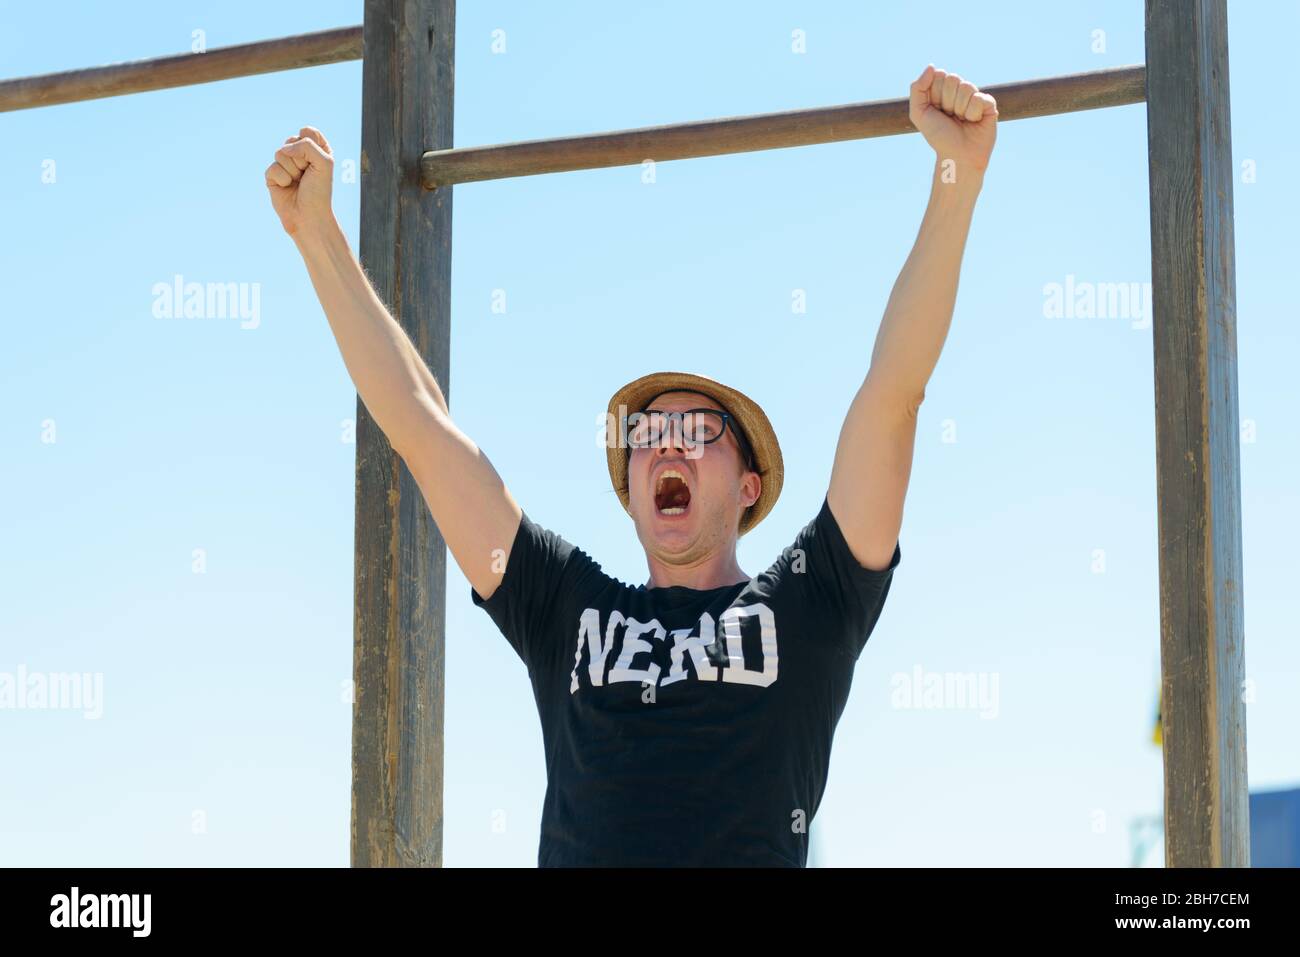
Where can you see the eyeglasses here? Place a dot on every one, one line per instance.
(698, 427)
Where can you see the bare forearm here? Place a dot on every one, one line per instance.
(919, 311)
(390, 375)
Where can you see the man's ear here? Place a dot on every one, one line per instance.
(752, 489)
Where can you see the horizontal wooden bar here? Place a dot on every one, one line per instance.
(1073, 92)
(184, 69)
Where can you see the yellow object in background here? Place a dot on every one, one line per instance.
(1155, 735)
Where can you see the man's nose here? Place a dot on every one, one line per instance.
(673, 438)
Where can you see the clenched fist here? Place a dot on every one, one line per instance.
(300, 182)
(955, 118)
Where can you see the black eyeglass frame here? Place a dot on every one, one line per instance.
(728, 421)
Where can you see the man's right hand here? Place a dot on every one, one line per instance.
(300, 182)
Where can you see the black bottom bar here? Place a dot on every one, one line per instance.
(921, 906)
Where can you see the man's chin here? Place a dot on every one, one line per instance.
(672, 526)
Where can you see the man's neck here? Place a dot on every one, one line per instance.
(715, 572)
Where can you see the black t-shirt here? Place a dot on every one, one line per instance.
(686, 727)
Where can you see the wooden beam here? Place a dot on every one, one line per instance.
(766, 131)
(1198, 475)
(185, 69)
(400, 571)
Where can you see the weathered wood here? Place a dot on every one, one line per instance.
(397, 718)
(766, 131)
(1197, 441)
(185, 69)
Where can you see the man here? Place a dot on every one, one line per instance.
(686, 721)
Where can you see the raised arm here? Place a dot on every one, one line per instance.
(472, 507)
(873, 459)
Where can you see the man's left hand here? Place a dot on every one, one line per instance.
(955, 118)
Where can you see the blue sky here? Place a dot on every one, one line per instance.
(137, 449)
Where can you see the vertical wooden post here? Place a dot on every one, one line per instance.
(400, 572)
(1197, 441)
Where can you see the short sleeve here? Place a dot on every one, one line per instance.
(541, 574)
(847, 597)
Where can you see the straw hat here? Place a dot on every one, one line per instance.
(757, 433)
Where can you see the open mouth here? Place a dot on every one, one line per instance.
(672, 494)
